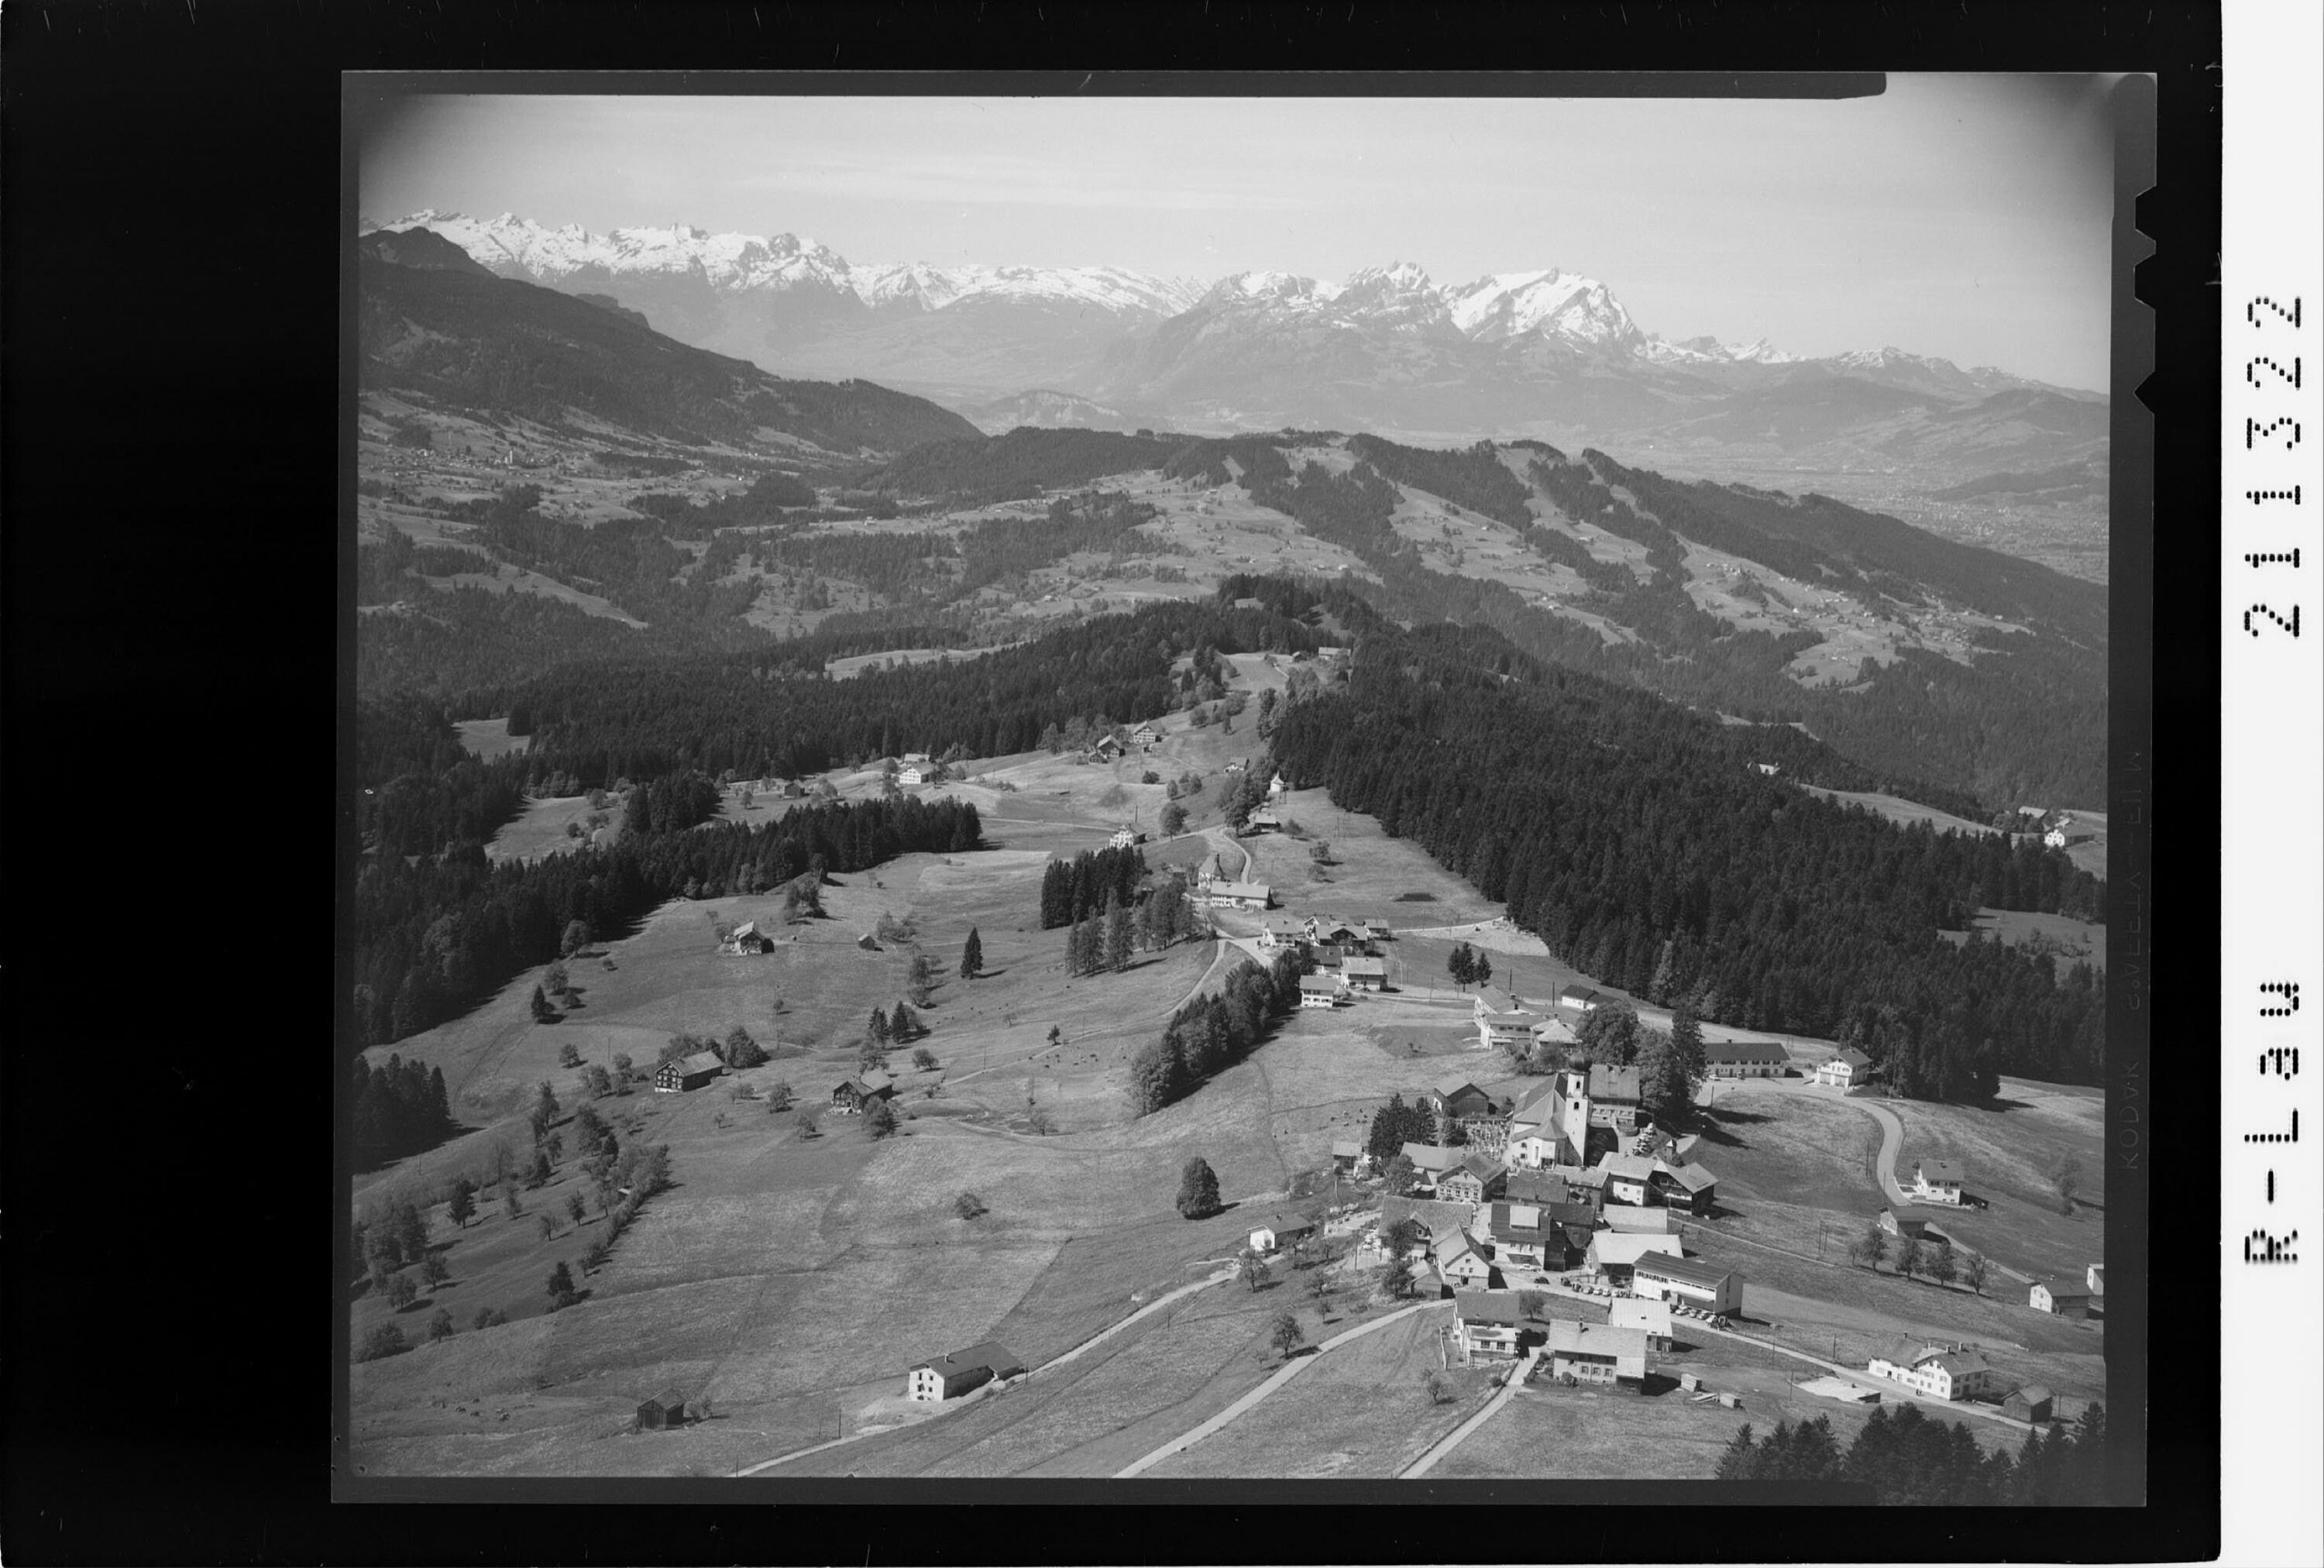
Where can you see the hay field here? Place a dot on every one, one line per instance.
(489, 738)
(2071, 941)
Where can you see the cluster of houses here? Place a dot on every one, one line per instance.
(1576, 1179)
(1345, 952)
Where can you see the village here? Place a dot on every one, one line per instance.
(1538, 1236)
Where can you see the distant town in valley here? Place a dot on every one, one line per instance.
(1124, 876)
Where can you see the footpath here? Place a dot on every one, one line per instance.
(1519, 1372)
(1292, 1370)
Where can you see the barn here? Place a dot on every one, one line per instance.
(680, 1073)
(665, 1409)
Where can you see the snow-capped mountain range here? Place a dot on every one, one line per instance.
(1539, 353)
(1550, 303)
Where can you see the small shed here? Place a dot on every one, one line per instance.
(665, 1409)
(2031, 1403)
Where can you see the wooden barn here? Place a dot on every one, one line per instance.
(855, 1094)
(665, 1409)
(683, 1072)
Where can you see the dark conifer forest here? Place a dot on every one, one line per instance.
(1630, 836)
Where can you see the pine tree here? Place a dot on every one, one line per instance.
(1117, 935)
(903, 1024)
(878, 1027)
(542, 1012)
(1198, 1190)
(971, 956)
(464, 1202)
(1739, 1460)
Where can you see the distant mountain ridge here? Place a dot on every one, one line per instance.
(1543, 354)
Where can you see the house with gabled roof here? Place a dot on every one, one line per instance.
(1615, 1257)
(1745, 1059)
(1687, 1186)
(1364, 973)
(1684, 1281)
(1937, 1180)
(1222, 894)
(747, 939)
(2071, 1301)
(1459, 1260)
(948, 1377)
(1531, 1186)
(680, 1073)
(1940, 1371)
(1263, 821)
(857, 1091)
(1490, 1322)
(1627, 1176)
(1280, 1230)
(2031, 1404)
(1457, 1096)
(1145, 735)
(1849, 1068)
(1432, 1160)
(1319, 991)
(1595, 1353)
(1521, 1233)
(1579, 998)
(1278, 931)
(1474, 1180)
(1348, 1155)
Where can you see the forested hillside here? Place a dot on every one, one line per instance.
(1629, 836)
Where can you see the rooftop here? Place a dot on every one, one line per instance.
(1683, 1270)
(1596, 1338)
(1499, 1307)
(989, 1355)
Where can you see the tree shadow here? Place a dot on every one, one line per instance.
(2001, 1103)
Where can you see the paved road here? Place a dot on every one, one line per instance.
(1515, 1380)
(1157, 1304)
(1290, 1371)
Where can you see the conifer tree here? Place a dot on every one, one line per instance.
(971, 956)
(1117, 935)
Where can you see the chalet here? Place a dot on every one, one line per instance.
(1489, 1323)
(1615, 1257)
(1282, 1231)
(915, 756)
(1374, 930)
(1276, 931)
(2031, 1404)
(1326, 957)
(665, 1409)
(1684, 1186)
(1348, 1154)
(1651, 1318)
(1332, 929)
(1846, 1070)
(1474, 1180)
(1106, 748)
(1263, 821)
(1254, 895)
(1685, 1281)
(1630, 1220)
(1590, 1352)
(853, 1094)
(747, 939)
(916, 773)
(948, 1377)
(1579, 998)
(1743, 1059)
(1437, 1218)
(1519, 1030)
(791, 789)
(680, 1073)
(1145, 735)
(1459, 1261)
(1459, 1097)
(1520, 1234)
(1365, 974)
(1627, 1176)
(1937, 1180)
(1319, 991)
(1124, 838)
(1940, 1371)
(1430, 1161)
(2064, 1300)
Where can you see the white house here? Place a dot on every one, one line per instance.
(2055, 838)
(1277, 788)
(1579, 998)
(1277, 931)
(1940, 1372)
(949, 1376)
(1254, 895)
(1937, 1180)
(1592, 1352)
(1319, 991)
(1488, 1323)
(1460, 1262)
(917, 773)
(1144, 734)
(1124, 838)
(1281, 1230)
(1628, 1177)
(1686, 1282)
(1846, 1070)
(1364, 973)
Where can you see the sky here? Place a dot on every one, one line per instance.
(1965, 216)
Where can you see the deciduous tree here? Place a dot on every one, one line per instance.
(1198, 1190)
(1285, 1334)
